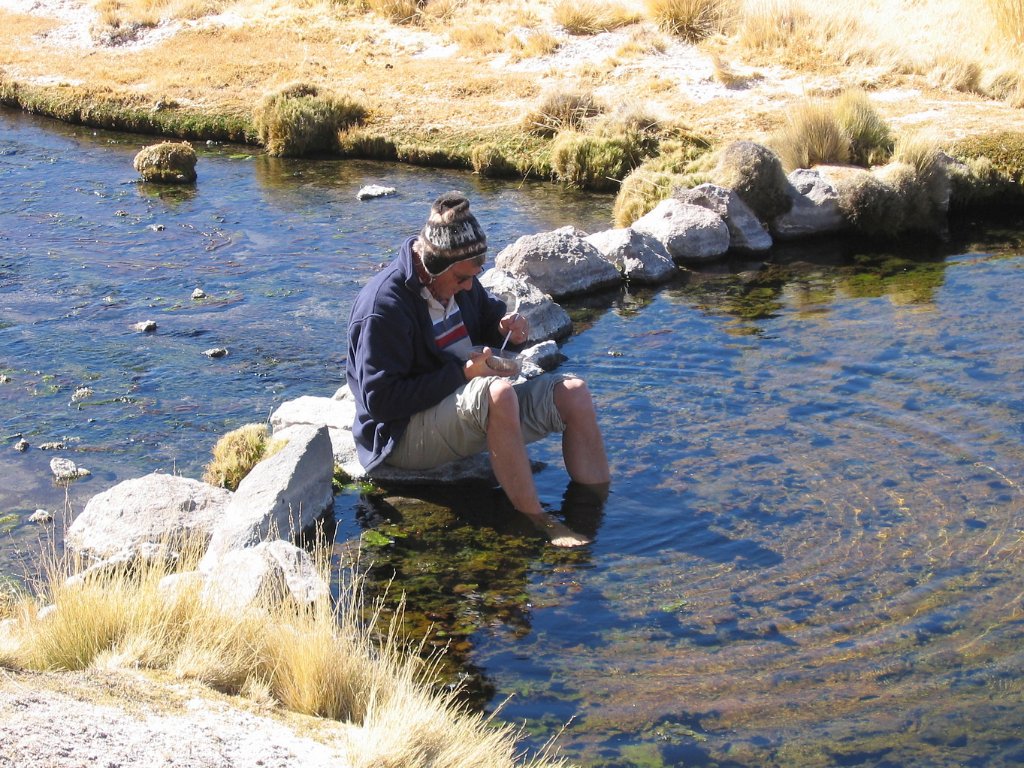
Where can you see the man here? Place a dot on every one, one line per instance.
(424, 398)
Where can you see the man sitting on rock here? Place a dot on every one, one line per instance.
(424, 398)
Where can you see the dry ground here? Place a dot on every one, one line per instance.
(468, 73)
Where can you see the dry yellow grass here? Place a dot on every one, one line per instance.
(317, 660)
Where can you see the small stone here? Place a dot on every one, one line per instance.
(64, 469)
(120, 213)
(54, 446)
(145, 326)
(21, 445)
(42, 516)
(4, 378)
(198, 293)
(374, 190)
(80, 394)
(215, 352)
(157, 227)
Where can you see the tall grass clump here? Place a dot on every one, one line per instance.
(767, 25)
(301, 120)
(812, 135)
(589, 17)
(870, 140)
(339, 660)
(397, 11)
(237, 452)
(692, 20)
(562, 110)
(1009, 19)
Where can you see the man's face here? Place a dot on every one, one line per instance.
(458, 277)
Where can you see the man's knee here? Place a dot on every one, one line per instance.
(572, 397)
(504, 403)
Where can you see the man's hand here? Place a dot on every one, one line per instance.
(477, 365)
(519, 326)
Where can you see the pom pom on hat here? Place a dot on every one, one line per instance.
(451, 234)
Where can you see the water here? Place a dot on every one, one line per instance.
(812, 552)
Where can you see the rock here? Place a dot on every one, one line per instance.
(80, 394)
(145, 326)
(65, 470)
(374, 190)
(281, 496)
(155, 555)
(215, 352)
(198, 293)
(42, 516)
(547, 319)
(689, 232)
(21, 445)
(168, 162)
(53, 446)
(746, 232)
(815, 207)
(545, 356)
(4, 378)
(337, 413)
(560, 263)
(153, 509)
(269, 571)
(639, 257)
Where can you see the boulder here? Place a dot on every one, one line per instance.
(338, 413)
(169, 161)
(547, 319)
(689, 232)
(639, 257)
(268, 572)
(815, 207)
(746, 233)
(153, 509)
(281, 496)
(560, 263)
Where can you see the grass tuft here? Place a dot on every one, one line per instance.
(1009, 19)
(589, 17)
(300, 120)
(811, 136)
(562, 110)
(237, 452)
(692, 20)
(868, 134)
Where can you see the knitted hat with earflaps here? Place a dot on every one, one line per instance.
(451, 234)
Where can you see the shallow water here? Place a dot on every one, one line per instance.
(813, 547)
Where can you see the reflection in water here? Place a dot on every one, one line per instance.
(812, 549)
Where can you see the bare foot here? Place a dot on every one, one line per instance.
(560, 535)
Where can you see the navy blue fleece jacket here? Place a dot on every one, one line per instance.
(394, 367)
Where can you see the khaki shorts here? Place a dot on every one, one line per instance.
(457, 426)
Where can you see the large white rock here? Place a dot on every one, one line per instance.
(547, 319)
(638, 256)
(815, 209)
(280, 497)
(270, 571)
(560, 263)
(689, 232)
(746, 233)
(153, 509)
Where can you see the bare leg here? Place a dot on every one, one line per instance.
(511, 465)
(582, 444)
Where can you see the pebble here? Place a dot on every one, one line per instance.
(374, 190)
(146, 326)
(65, 469)
(55, 446)
(41, 516)
(215, 352)
(198, 293)
(157, 227)
(21, 445)
(4, 378)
